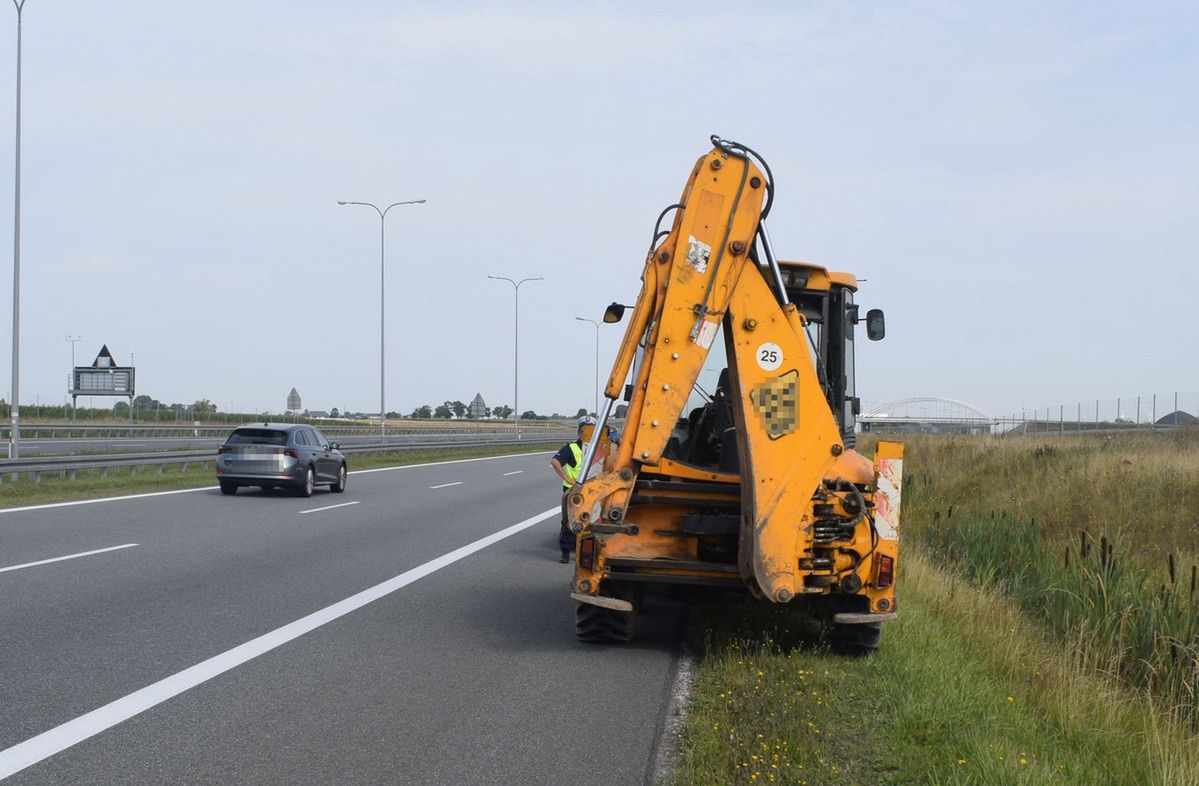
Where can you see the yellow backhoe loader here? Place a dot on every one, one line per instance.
(736, 466)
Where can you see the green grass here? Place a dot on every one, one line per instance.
(1144, 485)
(1099, 544)
(1011, 661)
(966, 689)
(89, 485)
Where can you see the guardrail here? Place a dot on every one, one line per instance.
(69, 466)
(148, 430)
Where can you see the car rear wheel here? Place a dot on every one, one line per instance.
(340, 485)
(309, 482)
(228, 487)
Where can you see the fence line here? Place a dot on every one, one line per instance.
(1122, 413)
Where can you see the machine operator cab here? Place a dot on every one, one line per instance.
(825, 299)
(705, 436)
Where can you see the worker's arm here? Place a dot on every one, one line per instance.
(557, 467)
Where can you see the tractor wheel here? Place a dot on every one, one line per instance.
(860, 639)
(597, 625)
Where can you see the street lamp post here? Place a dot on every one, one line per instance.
(382, 341)
(593, 322)
(71, 379)
(515, 348)
(14, 436)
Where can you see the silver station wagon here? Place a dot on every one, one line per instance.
(280, 455)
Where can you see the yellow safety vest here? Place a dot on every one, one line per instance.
(572, 473)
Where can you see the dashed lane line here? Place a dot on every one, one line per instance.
(330, 507)
(69, 556)
(447, 485)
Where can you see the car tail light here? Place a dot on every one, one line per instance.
(224, 449)
(587, 553)
(291, 452)
(884, 572)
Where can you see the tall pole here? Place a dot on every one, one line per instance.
(382, 298)
(597, 329)
(14, 436)
(71, 380)
(515, 348)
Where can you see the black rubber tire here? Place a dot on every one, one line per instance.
(339, 485)
(228, 487)
(309, 482)
(597, 625)
(861, 639)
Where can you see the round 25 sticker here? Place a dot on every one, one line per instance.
(769, 357)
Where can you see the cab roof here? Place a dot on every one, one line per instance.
(818, 276)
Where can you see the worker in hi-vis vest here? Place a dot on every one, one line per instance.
(568, 462)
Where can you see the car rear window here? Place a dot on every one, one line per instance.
(257, 436)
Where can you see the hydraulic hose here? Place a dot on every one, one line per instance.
(743, 151)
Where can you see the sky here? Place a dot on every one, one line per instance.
(1017, 183)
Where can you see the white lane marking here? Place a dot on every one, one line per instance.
(104, 499)
(330, 507)
(517, 472)
(35, 749)
(50, 505)
(69, 556)
(452, 461)
(447, 485)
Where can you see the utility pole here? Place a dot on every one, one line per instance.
(14, 436)
(71, 380)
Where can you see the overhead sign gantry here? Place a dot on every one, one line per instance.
(102, 378)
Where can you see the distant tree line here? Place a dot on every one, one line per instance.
(144, 408)
(457, 410)
(146, 404)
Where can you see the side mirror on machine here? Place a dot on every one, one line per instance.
(614, 313)
(876, 326)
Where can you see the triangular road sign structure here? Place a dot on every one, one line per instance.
(104, 359)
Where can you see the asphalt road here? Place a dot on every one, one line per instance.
(337, 646)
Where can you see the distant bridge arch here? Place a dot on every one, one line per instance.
(933, 413)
